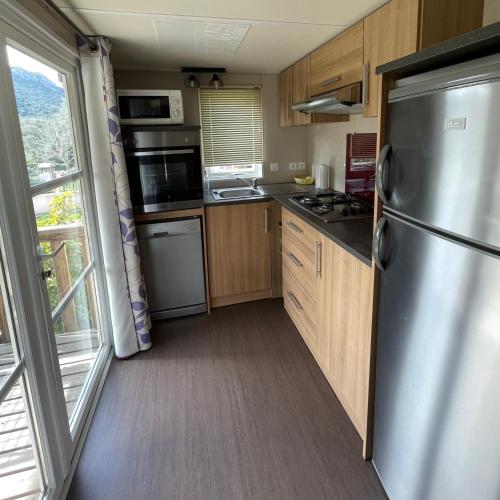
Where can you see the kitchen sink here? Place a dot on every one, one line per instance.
(239, 192)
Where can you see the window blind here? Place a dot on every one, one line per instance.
(231, 126)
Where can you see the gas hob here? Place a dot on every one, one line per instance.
(333, 206)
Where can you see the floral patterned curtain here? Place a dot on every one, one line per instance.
(128, 301)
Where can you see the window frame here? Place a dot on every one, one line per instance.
(258, 168)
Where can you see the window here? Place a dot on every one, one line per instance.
(231, 130)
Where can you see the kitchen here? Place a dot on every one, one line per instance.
(234, 275)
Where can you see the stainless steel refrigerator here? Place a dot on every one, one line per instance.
(437, 396)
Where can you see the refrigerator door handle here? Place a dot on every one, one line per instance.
(378, 243)
(381, 174)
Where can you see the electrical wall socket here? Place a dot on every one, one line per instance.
(292, 165)
(302, 165)
(275, 167)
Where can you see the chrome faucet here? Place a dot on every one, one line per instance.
(252, 183)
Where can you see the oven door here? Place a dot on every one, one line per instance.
(166, 179)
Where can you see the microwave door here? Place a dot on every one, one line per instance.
(144, 107)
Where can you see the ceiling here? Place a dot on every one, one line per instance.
(256, 36)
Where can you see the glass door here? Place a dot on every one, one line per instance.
(22, 474)
(62, 222)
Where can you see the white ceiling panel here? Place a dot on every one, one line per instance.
(245, 37)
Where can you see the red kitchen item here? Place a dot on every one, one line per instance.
(361, 153)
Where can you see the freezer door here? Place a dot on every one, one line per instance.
(437, 404)
(444, 168)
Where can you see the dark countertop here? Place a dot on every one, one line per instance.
(355, 236)
(474, 44)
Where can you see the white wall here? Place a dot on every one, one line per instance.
(491, 12)
(282, 145)
(327, 144)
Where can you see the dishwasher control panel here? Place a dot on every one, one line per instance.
(168, 228)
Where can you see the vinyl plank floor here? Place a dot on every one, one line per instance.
(227, 406)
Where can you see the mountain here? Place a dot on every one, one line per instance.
(36, 95)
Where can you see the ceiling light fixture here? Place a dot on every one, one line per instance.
(216, 82)
(192, 82)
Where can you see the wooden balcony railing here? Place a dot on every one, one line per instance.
(55, 235)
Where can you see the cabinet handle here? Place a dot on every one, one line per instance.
(293, 226)
(317, 258)
(331, 80)
(296, 303)
(295, 260)
(266, 220)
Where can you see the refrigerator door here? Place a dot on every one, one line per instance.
(444, 166)
(437, 403)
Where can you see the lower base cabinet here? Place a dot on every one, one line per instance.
(344, 329)
(239, 252)
(332, 309)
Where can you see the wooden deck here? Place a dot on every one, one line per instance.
(18, 468)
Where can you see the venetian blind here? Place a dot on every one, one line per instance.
(231, 126)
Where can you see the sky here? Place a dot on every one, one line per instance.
(18, 59)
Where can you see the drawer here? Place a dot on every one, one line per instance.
(301, 263)
(301, 309)
(301, 230)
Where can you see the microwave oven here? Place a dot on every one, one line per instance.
(150, 107)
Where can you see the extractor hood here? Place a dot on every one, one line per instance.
(344, 101)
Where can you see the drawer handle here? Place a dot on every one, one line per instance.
(296, 303)
(331, 80)
(295, 260)
(293, 226)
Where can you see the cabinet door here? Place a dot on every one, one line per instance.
(390, 32)
(338, 62)
(239, 252)
(286, 97)
(344, 329)
(301, 88)
(448, 18)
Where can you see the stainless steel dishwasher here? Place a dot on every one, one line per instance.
(172, 263)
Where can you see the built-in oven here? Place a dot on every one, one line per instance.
(150, 107)
(164, 169)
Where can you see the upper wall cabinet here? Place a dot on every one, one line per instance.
(402, 27)
(301, 72)
(286, 97)
(338, 62)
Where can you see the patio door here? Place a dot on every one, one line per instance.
(58, 286)
(61, 206)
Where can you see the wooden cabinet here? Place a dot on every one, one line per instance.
(301, 88)
(402, 27)
(327, 293)
(301, 253)
(286, 97)
(344, 329)
(239, 252)
(338, 62)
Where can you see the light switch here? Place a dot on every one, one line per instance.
(275, 167)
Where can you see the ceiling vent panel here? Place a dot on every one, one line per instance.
(199, 37)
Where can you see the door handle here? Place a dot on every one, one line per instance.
(378, 243)
(334, 79)
(266, 220)
(52, 255)
(317, 258)
(381, 175)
